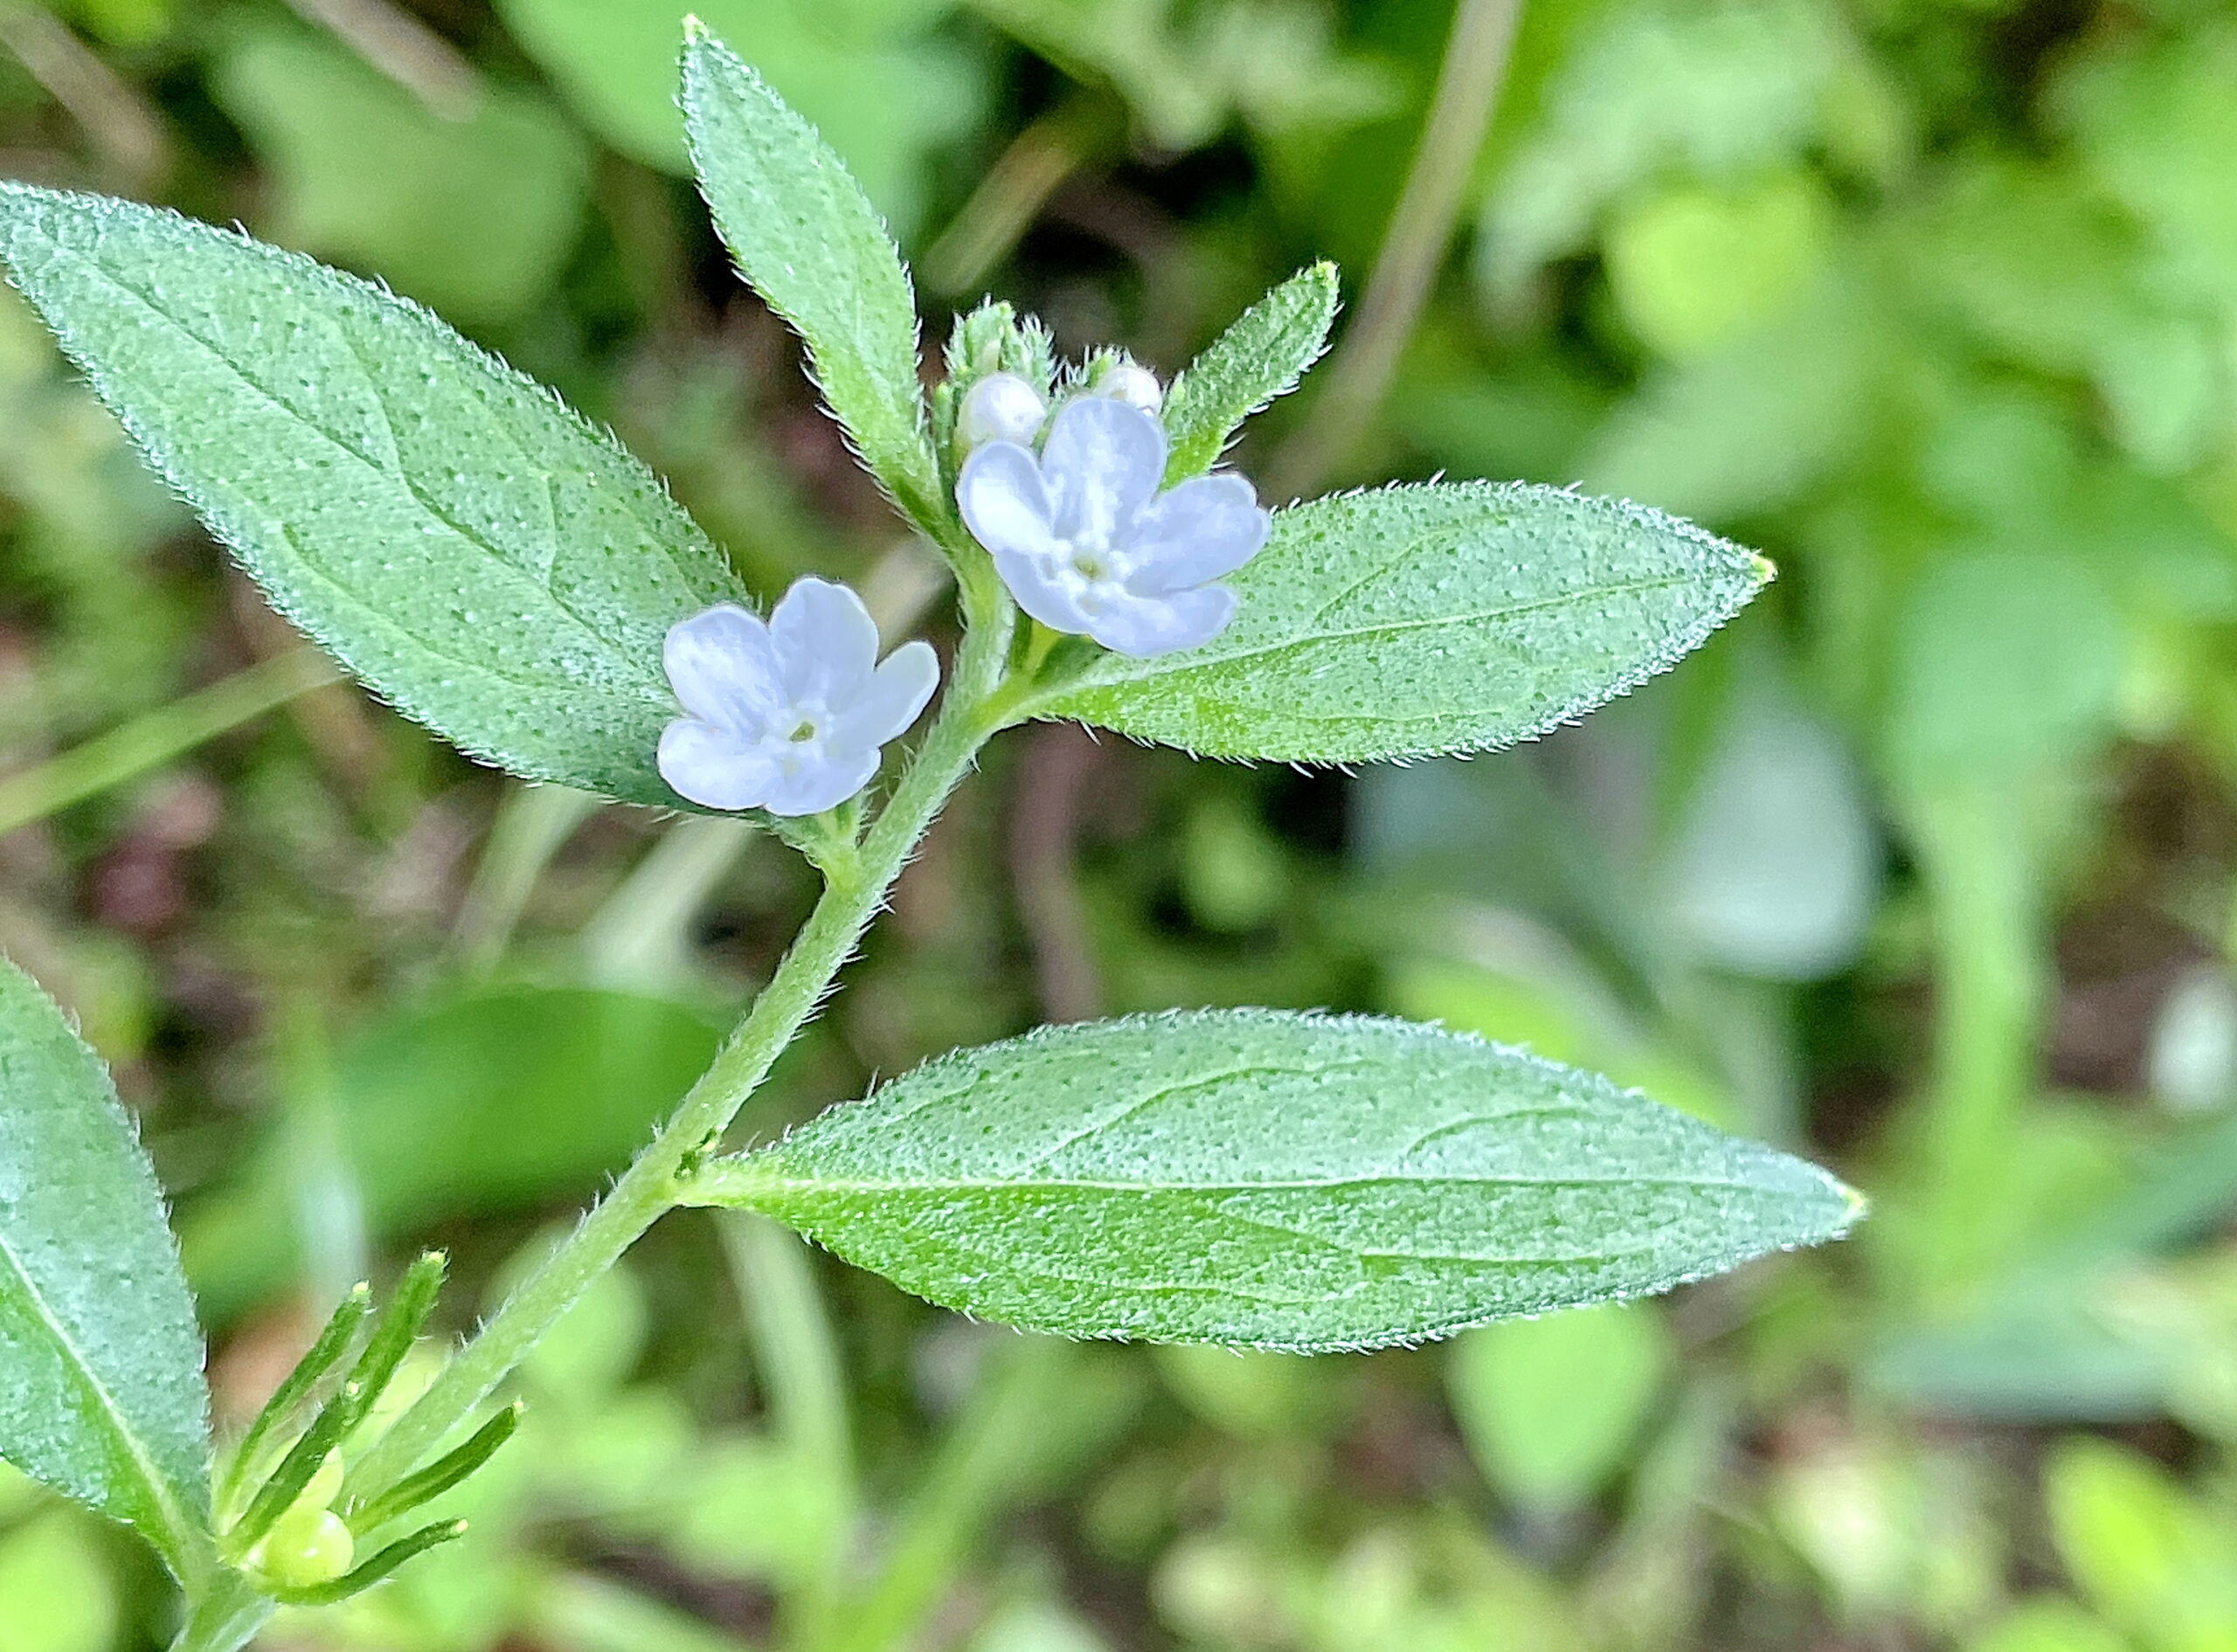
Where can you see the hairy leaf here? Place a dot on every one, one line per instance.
(480, 555)
(1261, 357)
(1249, 1177)
(1414, 621)
(808, 240)
(101, 1394)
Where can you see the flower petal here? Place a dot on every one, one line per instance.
(1204, 529)
(1142, 626)
(723, 669)
(812, 787)
(825, 642)
(1048, 600)
(714, 767)
(898, 692)
(1003, 502)
(1102, 463)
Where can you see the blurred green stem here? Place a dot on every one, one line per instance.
(224, 1617)
(152, 739)
(533, 825)
(1003, 208)
(974, 709)
(641, 937)
(1421, 227)
(980, 1460)
(806, 1388)
(1976, 851)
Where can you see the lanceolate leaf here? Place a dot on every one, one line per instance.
(808, 240)
(1277, 1180)
(101, 1394)
(1414, 621)
(1261, 357)
(477, 553)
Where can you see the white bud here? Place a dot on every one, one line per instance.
(1001, 407)
(1136, 386)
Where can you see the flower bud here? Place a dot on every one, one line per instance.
(1001, 407)
(1136, 386)
(306, 1548)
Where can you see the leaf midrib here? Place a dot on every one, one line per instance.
(1205, 660)
(751, 1179)
(175, 1523)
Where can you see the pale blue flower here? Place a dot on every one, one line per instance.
(1087, 543)
(788, 716)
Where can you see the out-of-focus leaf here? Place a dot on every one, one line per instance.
(2053, 272)
(55, 1591)
(1412, 621)
(101, 1394)
(2039, 1354)
(1284, 1181)
(2156, 120)
(2003, 662)
(1692, 268)
(2147, 1555)
(1892, 1529)
(1773, 870)
(1714, 89)
(1751, 426)
(1272, 62)
(1257, 1396)
(480, 555)
(474, 216)
(1550, 1407)
(2048, 1625)
(886, 92)
(493, 1100)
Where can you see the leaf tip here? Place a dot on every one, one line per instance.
(1855, 1206)
(1766, 570)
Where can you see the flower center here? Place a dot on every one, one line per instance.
(805, 732)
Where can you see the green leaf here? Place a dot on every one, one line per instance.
(480, 555)
(1550, 1407)
(1255, 1178)
(809, 242)
(1261, 357)
(474, 215)
(887, 87)
(1412, 621)
(493, 1099)
(101, 1394)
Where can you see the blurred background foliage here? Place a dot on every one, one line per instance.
(1924, 867)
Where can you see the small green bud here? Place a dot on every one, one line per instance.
(306, 1548)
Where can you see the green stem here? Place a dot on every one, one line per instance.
(224, 1617)
(149, 740)
(1980, 868)
(1421, 226)
(648, 1189)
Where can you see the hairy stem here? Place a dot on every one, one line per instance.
(1421, 224)
(647, 1190)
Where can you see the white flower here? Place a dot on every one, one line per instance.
(1134, 385)
(1086, 544)
(1001, 407)
(789, 715)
